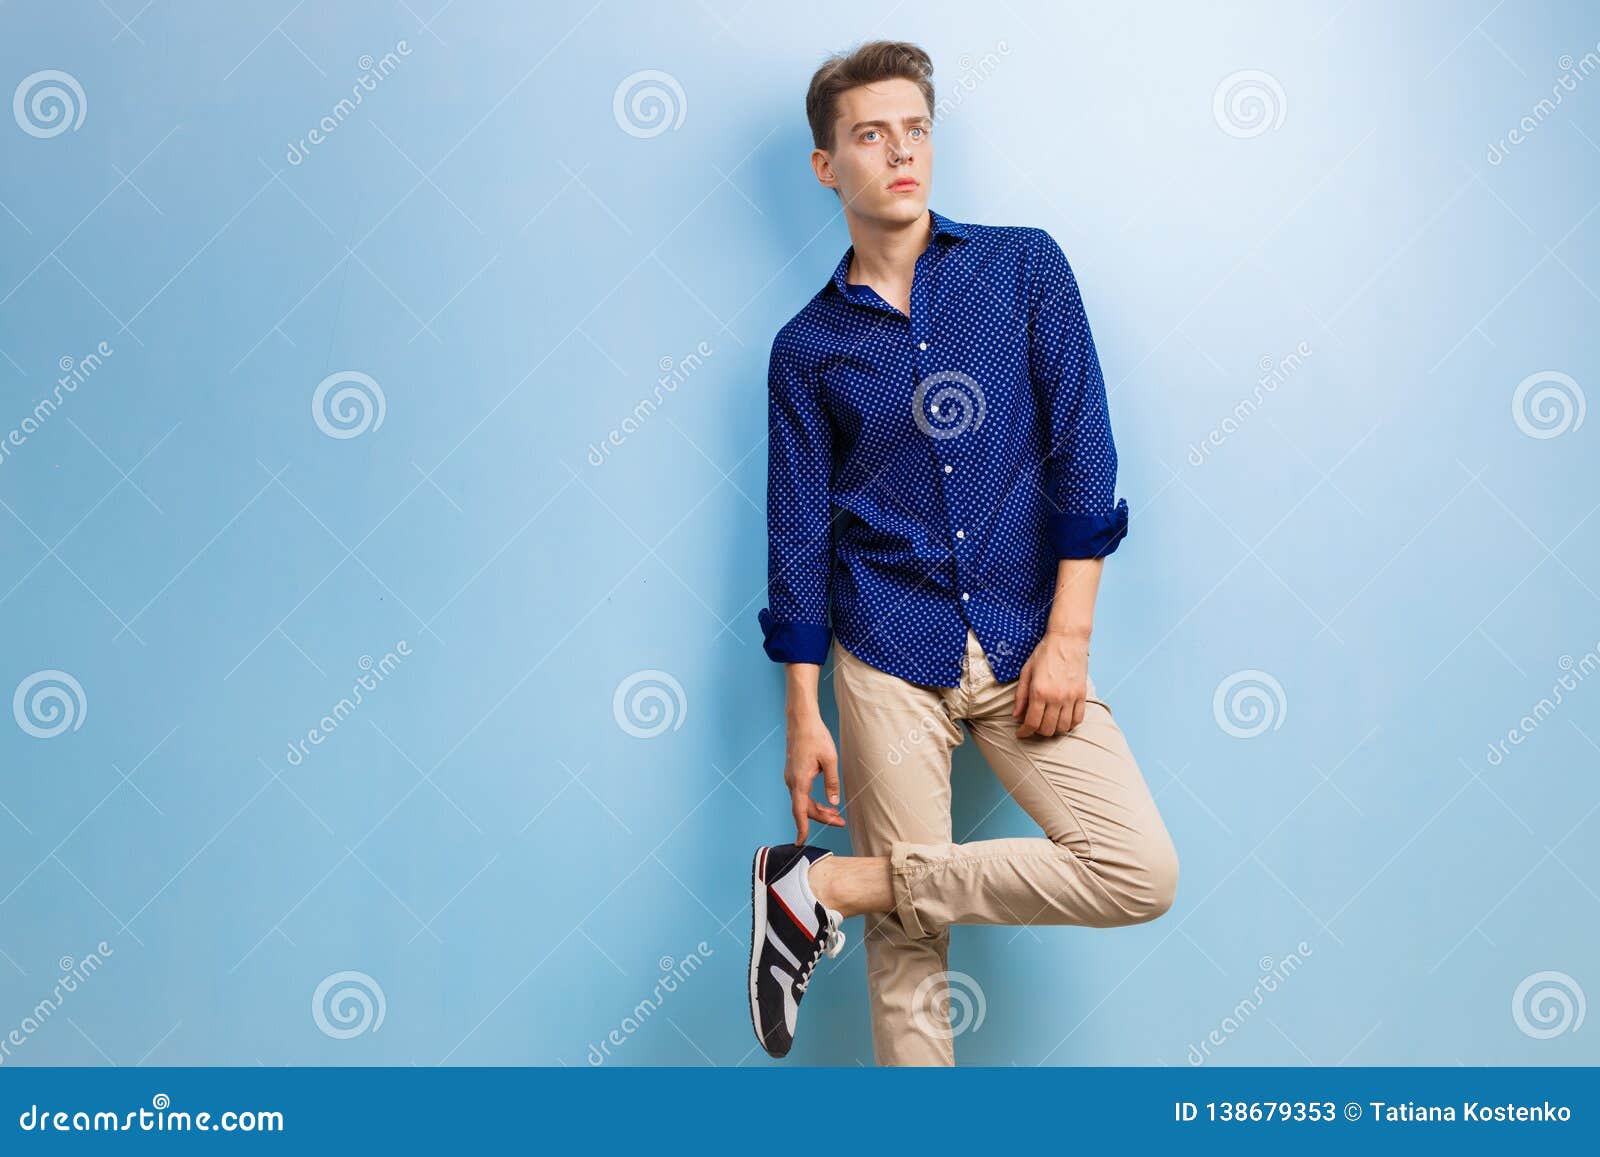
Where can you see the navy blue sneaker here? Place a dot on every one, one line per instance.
(790, 929)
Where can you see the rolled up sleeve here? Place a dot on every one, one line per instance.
(1080, 470)
(794, 624)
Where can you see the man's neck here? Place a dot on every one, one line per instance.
(886, 253)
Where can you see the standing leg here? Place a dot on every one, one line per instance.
(896, 739)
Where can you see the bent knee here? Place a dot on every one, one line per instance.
(1152, 885)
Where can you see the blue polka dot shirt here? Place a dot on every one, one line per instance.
(926, 473)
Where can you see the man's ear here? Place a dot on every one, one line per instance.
(822, 166)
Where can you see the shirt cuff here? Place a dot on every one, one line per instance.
(794, 642)
(1089, 535)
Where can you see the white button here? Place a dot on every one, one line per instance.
(922, 345)
(965, 596)
(961, 534)
(948, 469)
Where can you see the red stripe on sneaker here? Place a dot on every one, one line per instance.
(798, 923)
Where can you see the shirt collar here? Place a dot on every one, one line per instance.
(944, 229)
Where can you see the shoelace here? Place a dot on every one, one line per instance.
(831, 943)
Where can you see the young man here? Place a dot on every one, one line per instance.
(940, 502)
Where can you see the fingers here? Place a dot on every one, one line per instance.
(1048, 714)
(824, 814)
(1033, 720)
(806, 809)
(1024, 688)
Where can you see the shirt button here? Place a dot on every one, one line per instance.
(965, 596)
(949, 469)
(961, 534)
(922, 345)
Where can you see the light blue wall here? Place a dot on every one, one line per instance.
(481, 237)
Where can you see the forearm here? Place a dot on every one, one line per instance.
(800, 692)
(1077, 585)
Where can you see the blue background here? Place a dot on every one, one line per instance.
(482, 838)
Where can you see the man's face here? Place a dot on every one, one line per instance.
(882, 157)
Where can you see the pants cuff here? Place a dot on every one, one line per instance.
(905, 904)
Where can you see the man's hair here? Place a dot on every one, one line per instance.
(867, 64)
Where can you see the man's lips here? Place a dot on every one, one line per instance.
(904, 183)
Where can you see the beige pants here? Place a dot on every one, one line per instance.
(1106, 858)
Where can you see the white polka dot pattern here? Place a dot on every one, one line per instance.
(925, 473)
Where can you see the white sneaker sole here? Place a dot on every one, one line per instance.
(758, 935)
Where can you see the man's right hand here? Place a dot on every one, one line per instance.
(809, 750)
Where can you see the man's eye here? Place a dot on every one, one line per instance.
(869, 136)
(919, 133)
